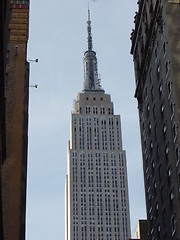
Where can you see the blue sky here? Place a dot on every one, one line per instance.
(58, 38)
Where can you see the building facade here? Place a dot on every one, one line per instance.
(97, 205)
(156, 55)
(141, 231)
(4, 16)
(14, 168)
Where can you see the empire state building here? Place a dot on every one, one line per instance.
(97, 205)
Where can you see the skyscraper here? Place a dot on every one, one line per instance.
(97, 205)
(156, 54)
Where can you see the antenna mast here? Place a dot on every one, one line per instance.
(89, 31)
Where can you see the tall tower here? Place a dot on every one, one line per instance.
(156, 54)
(14, 168)
(97, 205)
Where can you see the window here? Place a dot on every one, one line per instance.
(162, 108)
(148, 108)
(153, 167)
(177, 155)
(174, 132)
(145, 144)
(172, 109)
(167, 68)
(166, 151)
(173, 225)
(164, 127)
(6, 80)
(169, 87)
(102, 110)
(88, 110)
(95, 110)
(158, 71)
(160, 88)
(151, 146)
(152, 230)
(169, 172)
(150, 127)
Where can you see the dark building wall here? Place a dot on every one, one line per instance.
(156, 54)
(4, 15)
(143, 230)
(172, 16)
(14, 169)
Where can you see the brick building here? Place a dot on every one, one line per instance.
(14, 169)
(4, 14)
(156, 55)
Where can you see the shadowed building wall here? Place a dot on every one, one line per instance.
(14, 171)
(4, 15)
(141, 231)
(156, 54)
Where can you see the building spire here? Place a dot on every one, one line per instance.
(89, 31)
(91, 79)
